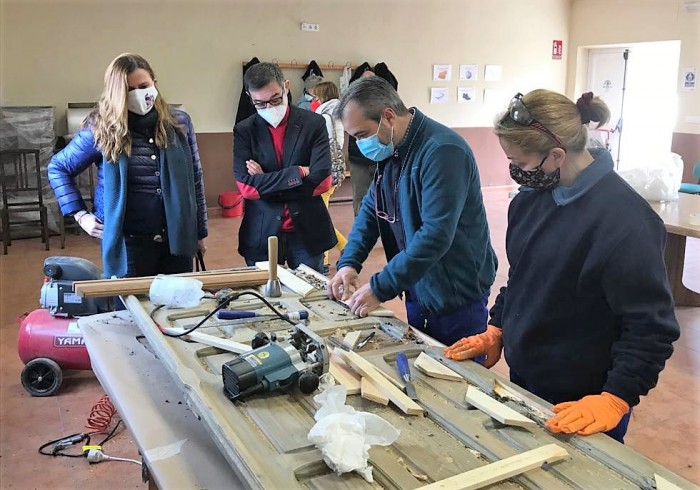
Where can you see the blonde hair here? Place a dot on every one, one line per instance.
(559, 115)
(109, 120)
(326, 91)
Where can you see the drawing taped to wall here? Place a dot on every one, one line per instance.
(442, 73)
(466, 94)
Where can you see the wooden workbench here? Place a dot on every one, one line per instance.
(264, 439)
(680, 219)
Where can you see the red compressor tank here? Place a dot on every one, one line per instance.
(47, 344)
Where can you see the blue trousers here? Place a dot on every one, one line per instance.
(448, 328)
(618, 433)
(291, 249)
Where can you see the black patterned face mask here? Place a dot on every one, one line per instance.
(535, 178)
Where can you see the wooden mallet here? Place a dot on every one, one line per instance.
(272, 288)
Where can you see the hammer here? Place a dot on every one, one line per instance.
(272, 288)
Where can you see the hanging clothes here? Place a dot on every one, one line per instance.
(381, 70)
(360, 70)
(312, 69)
(345, 78)
(245, 106)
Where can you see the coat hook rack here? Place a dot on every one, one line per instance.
(293, 64)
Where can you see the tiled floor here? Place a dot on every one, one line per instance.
(665, 426)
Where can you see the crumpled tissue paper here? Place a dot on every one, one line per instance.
(345, 435)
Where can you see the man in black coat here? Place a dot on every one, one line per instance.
(282, 166)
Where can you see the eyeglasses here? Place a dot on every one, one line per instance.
(262, 104)
(377, 193)
(519, 113)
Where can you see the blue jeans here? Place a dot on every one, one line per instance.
(291, 250)
(617, 433)
(448, 328)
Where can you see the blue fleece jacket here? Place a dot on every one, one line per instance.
(448, 260)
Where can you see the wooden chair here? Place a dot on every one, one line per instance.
(20, 172)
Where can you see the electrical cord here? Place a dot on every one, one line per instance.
(99, 419)
(97, 456)
(223, 303)
(65, 442)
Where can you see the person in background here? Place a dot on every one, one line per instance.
(308, 100)
(426, 205)
(327, 94)
(586, 320)
(282, 167)
(362, 169)
(149, 207)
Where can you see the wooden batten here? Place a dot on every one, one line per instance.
(501, 470)
(434, 368)
(141, 285)
(366, 369)
(496, 409)
(372, 393)
(344, 375)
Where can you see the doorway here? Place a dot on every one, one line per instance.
(639, 82)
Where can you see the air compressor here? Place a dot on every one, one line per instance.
(49, 339)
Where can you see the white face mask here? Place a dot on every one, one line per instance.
(274, 115)
(141, 100)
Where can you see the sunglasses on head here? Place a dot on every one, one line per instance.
(519, 113)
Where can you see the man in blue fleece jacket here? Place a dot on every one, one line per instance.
(426, 205)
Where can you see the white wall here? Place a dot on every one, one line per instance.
(605, 22)
(55, 51)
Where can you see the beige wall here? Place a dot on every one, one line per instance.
(55, 51)
(604, 22)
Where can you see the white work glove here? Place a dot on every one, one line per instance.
(89, 223)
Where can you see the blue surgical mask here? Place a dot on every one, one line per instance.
(374, 149)
(308, 97)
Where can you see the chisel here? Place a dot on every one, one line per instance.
(294, 316)
(405, 373)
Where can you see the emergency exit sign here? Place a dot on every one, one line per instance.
(557, 48)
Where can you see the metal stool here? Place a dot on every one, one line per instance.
(20, 174)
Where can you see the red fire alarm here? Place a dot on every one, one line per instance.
(557, 49)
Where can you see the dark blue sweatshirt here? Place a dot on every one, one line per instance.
(588, 306)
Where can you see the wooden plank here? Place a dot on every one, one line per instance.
(496, 409)
(344, 375)
(212, 340)
(366, 369)
(663, 484)
(141, 285)
(501, 470)
(372, 393)
(352, 338)
(434, 368)
(296, 284)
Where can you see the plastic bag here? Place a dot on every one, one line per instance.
(657, 181)
(176, 292)
(344, 435)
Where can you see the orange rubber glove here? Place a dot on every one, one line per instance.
(488, 343)
(590, 414)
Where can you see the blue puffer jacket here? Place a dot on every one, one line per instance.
(81, 152)
(448, 260)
